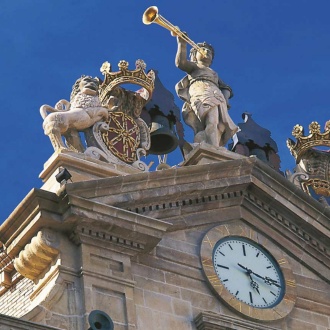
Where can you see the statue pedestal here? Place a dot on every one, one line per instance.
(81, 167)
(204, 153)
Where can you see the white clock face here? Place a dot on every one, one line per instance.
(248, 272)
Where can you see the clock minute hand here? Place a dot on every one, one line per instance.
(267, 280)
(258, 275)
(245, 268)
(271, 281)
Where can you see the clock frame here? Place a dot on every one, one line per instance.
(284, 306)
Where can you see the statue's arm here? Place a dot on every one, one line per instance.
(181, 57)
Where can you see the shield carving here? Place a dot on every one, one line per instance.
(123, 136)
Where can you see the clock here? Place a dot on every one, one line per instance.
(248, 272)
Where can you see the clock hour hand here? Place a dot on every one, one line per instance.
(253, 283)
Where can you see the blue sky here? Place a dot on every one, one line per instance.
(274, 54)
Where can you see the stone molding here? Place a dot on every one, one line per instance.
(203, 153)
(117, 280)
(38, 255)
(12, 323)
(246, 185)
(6, 269)
(81, 167)
(186, 202)
(98, 222)
(213, 321)
(290, 225)
(251, 198)
(81, 231)
(28, 215)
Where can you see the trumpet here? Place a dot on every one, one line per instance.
(151, 16)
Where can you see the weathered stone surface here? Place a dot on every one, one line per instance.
(130, 246)
(213, 321)
(11, 323)
(81, 167)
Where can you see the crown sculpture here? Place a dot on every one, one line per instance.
(107, 114)
(313, 165)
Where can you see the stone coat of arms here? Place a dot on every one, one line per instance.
(107, 114)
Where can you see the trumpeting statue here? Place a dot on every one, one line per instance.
(205, 95)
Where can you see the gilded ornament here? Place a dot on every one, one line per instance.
(297, 131)
(105, 68)
(125, 76)
(312, 162)
(140, 64)
(123, 65)
(314, 128)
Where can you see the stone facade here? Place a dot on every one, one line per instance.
(129, 245)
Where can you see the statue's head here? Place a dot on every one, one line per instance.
(204, 44)
(85, 84)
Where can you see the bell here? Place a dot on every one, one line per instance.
(99, 320)
(163, 139)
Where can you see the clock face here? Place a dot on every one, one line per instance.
(248, 272)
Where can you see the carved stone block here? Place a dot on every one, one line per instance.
(38, 255)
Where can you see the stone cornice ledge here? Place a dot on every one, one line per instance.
(103, 220)
(33, 203)
(11, 323)
(212, 321)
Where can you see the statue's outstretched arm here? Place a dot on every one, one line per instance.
(181, 57)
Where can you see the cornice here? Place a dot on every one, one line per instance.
(36, 201)
(214, 321)
(182, 196)
(218, 177)
(114, 225)
(9, 323)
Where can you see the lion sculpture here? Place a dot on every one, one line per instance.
(67, 119)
